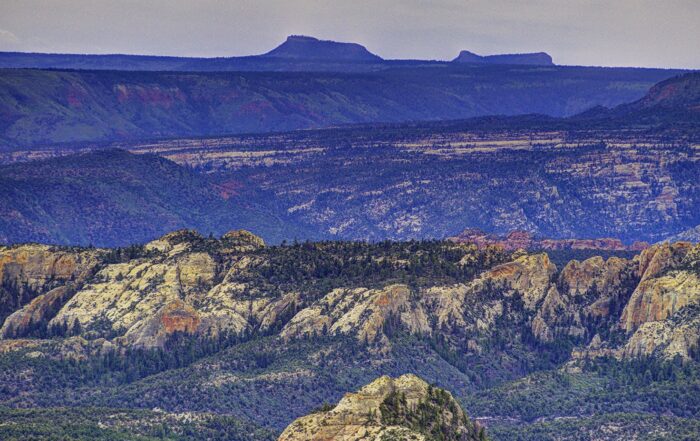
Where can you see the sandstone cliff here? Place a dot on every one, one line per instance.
(184, 287)
(359, 312)
(184, 283)
(27, 271)
(661, 318)
(591, 292)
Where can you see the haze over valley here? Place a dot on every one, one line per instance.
(316, 242)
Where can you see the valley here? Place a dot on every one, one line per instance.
(263, 333)
(627, 174)
(317, 243)
(47, 107)
(368, 183)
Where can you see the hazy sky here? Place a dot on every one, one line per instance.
(663, 33)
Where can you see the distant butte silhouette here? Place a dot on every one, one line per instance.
(532, 59)
(310, 48)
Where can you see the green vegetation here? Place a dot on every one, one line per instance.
(438, 417)
(271, 383)
(315, 268)
(501, 374)
(101, 424)
(112, 197)
(608, 427)
(604, 386)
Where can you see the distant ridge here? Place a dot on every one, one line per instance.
(532, 59)
(310, 48)
(680, 93)
(50, 107)
(672, 102)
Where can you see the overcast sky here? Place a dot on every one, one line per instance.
(664, 33)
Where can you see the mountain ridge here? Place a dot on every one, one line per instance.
(60, 106)
(113, 193)
(186, 283)
(251, 177)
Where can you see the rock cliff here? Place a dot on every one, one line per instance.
(27, 271)
(359, 312)
(186, 284)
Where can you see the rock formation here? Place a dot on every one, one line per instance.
(359, 312)
(404, 408)
(187, 286)
(183, 283)
(29, 270)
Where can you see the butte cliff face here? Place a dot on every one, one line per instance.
(403, 408)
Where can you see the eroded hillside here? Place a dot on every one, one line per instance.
(404, 408)
(185, 283)
(49, 107)
(266, 333)
(628, 174)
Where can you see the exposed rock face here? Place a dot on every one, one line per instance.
(665, 285)
(515, 240)
(662, 257)
(176, 316)
(242, 240)
(359, 312)
(528, 275)
(662, 315)
(677, 336)
(594, 290)
(35, 265)
(386, 409)
(30, 270)
(596, 273)
(462, 309)
(588, 297)
(179, 289)
(659, 298)
(186, 284)
(36, 311)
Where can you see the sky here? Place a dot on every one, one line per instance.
(653, 33)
